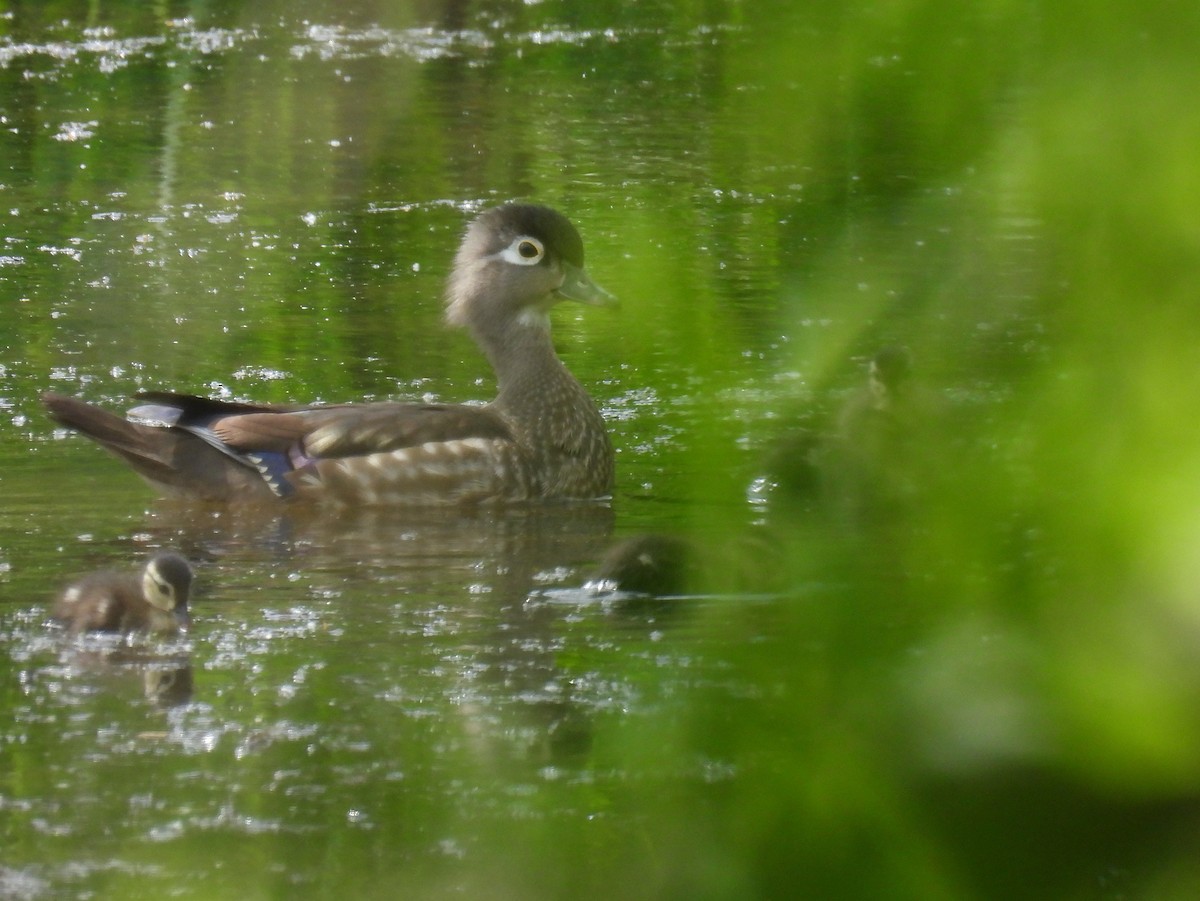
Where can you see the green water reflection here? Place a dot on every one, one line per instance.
(954, 660)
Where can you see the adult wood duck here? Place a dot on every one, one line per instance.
(155, 600)
(542, 436)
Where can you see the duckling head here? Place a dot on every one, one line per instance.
(167, 584)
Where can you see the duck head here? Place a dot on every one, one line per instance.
(516, 262)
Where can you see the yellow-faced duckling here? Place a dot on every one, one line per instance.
(154, 600)
(541, 437)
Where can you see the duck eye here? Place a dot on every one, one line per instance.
(524, 251)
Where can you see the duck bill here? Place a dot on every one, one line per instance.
(183, 619)
(577, 286)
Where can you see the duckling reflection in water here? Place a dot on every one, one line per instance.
(169, 685)
(152, 601)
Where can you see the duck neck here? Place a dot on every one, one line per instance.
(530, 376)
(553, 419)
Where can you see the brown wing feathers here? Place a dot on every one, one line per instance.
(352, 431)
(278, 432)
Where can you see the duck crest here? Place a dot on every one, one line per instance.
(541, 437)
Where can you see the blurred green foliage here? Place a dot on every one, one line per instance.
(1012, 709)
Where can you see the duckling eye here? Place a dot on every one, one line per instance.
(524, 251)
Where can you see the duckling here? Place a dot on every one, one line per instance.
(874, 465)
(875, 414)
(541, 437)
(645, 564)
(156, 600)
(863, 461)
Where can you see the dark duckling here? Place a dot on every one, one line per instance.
(541, 437)
(152, 601)
(651, 564)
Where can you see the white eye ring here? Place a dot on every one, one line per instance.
(524, 251)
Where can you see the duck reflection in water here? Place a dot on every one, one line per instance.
(464, 571)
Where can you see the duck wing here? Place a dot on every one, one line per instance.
(278, 441)
(356, 430)
(338, 430)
